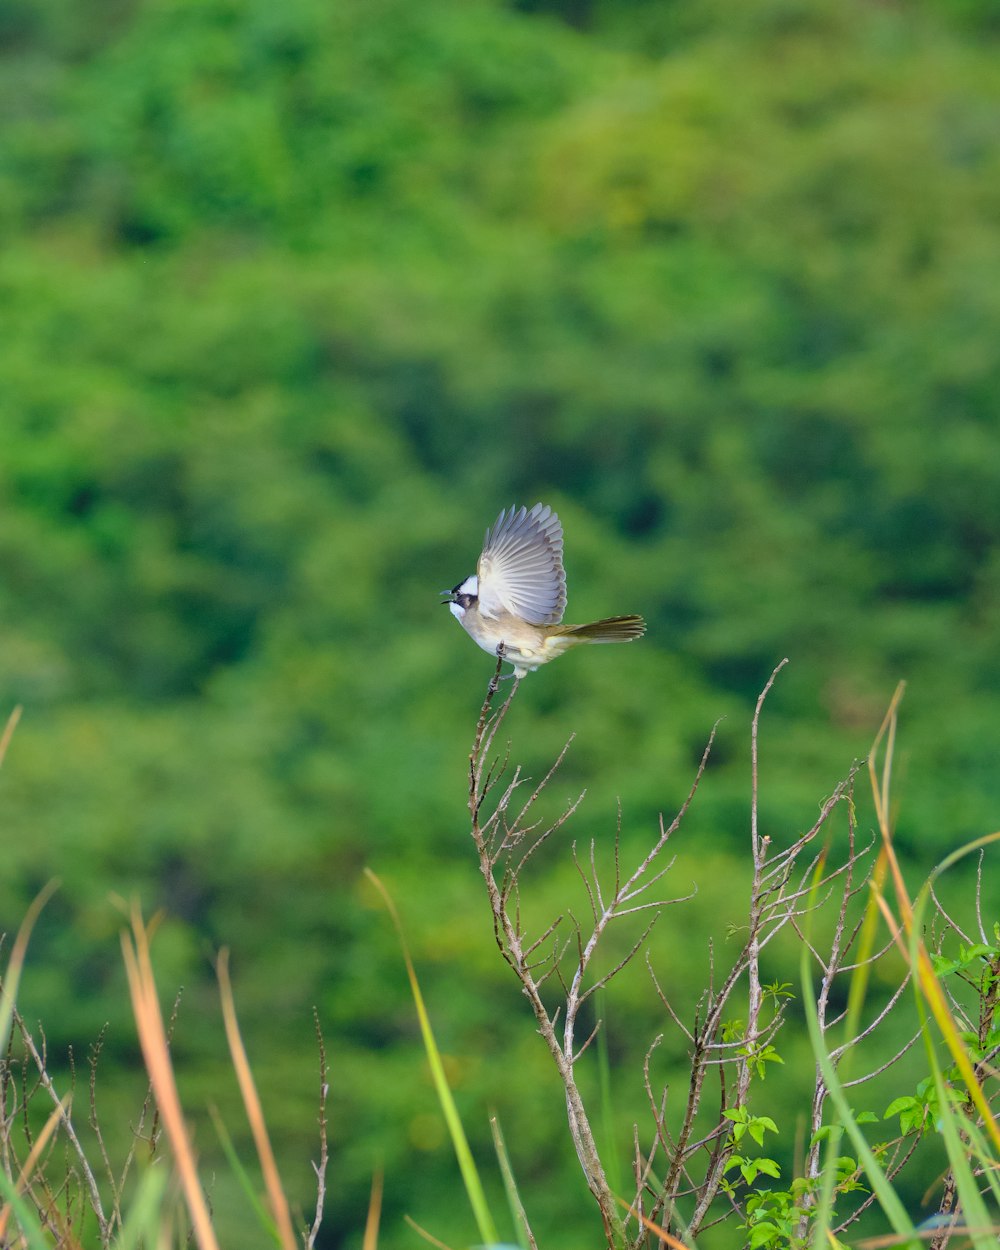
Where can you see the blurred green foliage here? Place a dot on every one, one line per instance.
(295, 298)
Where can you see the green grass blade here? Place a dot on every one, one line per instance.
(820, 1234)
(144, 1220)
(467, 1166)
(974, 1212)
(981, 1148)
(894, 1210)
(517, 1211)
(26, 1218)
(954, 1126)
(12, 977)
(240, 1172)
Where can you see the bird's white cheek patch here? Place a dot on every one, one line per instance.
(470, 586)
(456, 610)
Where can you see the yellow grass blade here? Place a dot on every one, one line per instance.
(41, 1141)
(428, 1237)
(8, 732)
(659, 1232)
(370, 1241)
(255, 1115)
(156, 1053)
(911, 945)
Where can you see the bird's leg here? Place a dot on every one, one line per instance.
(496, 679)
(498, 676)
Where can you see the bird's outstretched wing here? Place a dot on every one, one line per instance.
(521, 568)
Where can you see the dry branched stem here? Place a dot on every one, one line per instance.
(559, 974)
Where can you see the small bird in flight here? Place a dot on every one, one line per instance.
(517, 595)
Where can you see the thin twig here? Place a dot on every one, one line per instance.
(320, 1167)
(46, 1082)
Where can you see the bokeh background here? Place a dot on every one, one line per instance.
(295, 298)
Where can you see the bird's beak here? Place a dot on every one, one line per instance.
(450, 597)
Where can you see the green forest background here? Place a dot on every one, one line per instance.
(295, 297)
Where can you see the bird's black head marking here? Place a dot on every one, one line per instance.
(465, 594)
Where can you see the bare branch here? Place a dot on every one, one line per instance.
(755, 847)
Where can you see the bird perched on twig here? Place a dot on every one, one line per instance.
(517, 595)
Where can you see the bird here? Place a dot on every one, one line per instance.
(517, 594)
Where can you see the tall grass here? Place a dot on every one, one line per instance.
(167, 1208)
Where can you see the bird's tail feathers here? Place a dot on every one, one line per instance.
(611, 629)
